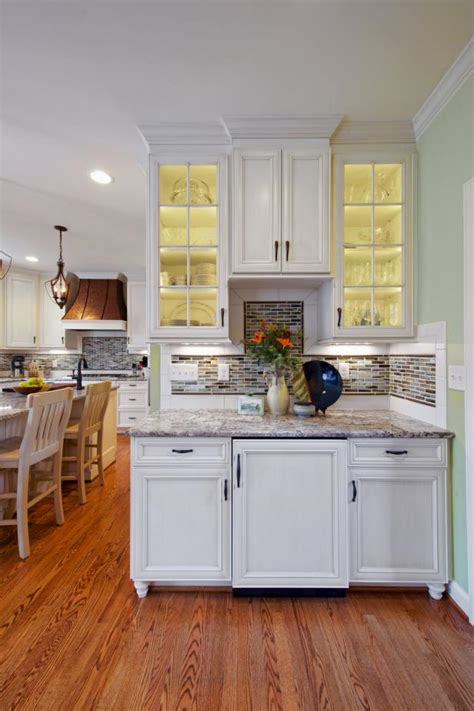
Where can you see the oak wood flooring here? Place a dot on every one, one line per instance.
(74, 635)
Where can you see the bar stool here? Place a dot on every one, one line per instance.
(79, 434)
(48, 415)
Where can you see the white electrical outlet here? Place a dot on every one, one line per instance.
(223, 371)
(184, 372)
(344, 370)
(456, 377)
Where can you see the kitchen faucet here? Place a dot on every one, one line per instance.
(82, 361)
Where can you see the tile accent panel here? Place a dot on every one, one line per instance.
(283, 313)
(414, 378)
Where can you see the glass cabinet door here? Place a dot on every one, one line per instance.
(373, 279)
(188, 246)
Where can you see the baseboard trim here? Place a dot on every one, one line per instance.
(459, 597)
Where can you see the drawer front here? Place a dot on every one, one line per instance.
(131, 400)
(207, 451)
(129, 418)
(132, 386)
(398, 452)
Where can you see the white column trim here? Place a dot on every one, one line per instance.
(469, 370)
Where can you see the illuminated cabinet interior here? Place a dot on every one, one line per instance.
(190, 277)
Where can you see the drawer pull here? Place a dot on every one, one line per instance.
(354, 491)
(132, 399)
(398, 452)
(182, 451)
(131, 418)
(238, 471)
(225, 489)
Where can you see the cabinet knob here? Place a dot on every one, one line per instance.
(276, 250)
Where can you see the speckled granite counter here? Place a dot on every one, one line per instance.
(339, 424)
(13, 404)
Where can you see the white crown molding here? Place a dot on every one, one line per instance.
(374, 132)
(241, 127)
(452, 81)
(170, 133)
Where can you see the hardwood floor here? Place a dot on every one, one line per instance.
(74, 635)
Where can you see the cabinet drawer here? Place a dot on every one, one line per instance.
(141, 385)
(131, 400)
(172, 451)
(129, 418)
(398, 452)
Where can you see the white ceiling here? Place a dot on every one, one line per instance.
(77, 77)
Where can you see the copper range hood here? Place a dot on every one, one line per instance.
(96, 304)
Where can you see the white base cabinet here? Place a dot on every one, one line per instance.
(289, 514)
(398, 512)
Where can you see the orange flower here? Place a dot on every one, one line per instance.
(257, 338)
(285, 342)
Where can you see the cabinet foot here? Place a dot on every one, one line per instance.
(141, 588)
(436, 590)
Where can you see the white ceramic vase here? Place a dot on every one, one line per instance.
(278, 398)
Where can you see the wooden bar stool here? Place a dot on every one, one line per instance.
(48, 415)
(80, 434)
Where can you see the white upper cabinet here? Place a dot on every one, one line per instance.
(187, 267)
(257, 210)
(136, 316)
(281, 210)
(21, 309)
(51, 331)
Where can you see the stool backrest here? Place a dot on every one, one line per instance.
(48, 415)
(97, 399)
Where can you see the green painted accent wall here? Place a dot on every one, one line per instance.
(445, 163)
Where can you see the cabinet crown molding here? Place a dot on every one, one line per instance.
(459, 71)
(281, 126)
(365, 132)
(168, 133)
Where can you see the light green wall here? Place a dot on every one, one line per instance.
(445, 163)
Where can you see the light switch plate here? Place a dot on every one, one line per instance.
(223, 371)
(184, 372)
(456, 377)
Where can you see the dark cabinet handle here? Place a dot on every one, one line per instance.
(34, 339)
(398, 452)
(182, 451)
(276, 251)
(238, 471)
(131, 418)
(132, 385)
(354, 491)
(225, 489)
(339, 316)
(287, 247)
(62, 339)
(132, 399)
(222, 317)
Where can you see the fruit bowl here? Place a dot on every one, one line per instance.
(29, 389)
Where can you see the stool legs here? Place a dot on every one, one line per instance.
(100, 456)
(58, 497)
(81, 482)
(22, 511)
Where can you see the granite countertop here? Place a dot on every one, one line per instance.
(14, 404)
(339, 424)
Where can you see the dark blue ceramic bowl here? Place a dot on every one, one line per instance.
(324, 383)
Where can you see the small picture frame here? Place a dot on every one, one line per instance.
(251, 405)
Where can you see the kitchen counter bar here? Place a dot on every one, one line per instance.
(337, 424)
(13, 404)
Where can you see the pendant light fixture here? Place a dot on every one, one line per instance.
(5, 264)
(59, 285)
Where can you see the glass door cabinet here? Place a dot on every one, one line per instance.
(189, 257)
(373, 217)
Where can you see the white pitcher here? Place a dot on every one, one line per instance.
(278, 398)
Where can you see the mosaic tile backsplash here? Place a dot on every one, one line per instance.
(414, 378)
(101, 353)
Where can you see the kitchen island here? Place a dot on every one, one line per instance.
(286, 503)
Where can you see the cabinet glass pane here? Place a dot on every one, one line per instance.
(173, 183)
(357, 307)
(203, 267)
(202, 185)
(388, 307)
(357, 266)
(203, 307)
(357, 225)
(173, 267)
(388, 182)
(173, 226)
(357, 183)
(388, 224)
(388, 266)
(173, 307)
(202, 225)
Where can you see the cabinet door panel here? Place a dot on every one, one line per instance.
(398, 526)
(289, 515)
(257, 205)
(183, 525)
(305, 211)
(52, 334)
(21, 310)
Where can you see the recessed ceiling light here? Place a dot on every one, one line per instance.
(32, 259)
(101, 177)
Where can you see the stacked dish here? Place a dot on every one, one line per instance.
(203, 274)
